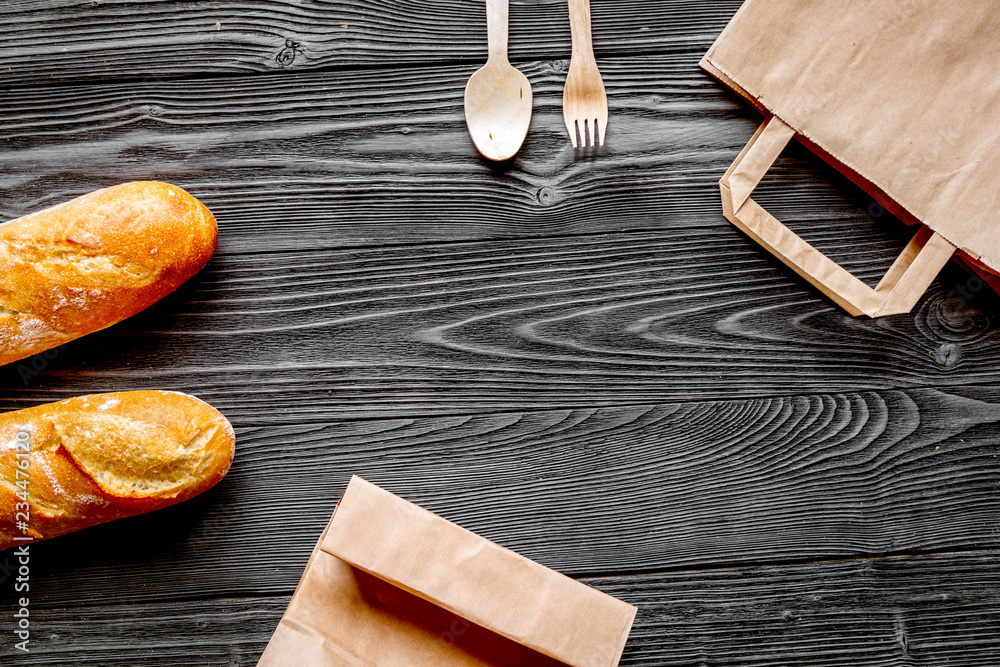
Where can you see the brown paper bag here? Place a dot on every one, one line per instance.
(902, 96)
(391, 584)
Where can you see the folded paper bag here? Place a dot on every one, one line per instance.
(391, 584)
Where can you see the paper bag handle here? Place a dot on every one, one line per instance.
(900, 289)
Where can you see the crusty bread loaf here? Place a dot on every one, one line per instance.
(91, 262)
(106, 456)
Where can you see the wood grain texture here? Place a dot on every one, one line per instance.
(334, 159)
(587, 491)
(56, 41)
(216, 633)
(464, 328)
(929, 610)
(925, 610)
(573, 354)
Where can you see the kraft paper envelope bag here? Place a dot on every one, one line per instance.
(393, 585)
(903, 96)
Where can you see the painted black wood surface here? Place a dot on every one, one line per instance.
(918, 610)
(573, 354)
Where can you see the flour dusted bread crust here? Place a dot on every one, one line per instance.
(91, 262)
(102, 457)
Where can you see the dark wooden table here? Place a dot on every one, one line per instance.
(574, 354)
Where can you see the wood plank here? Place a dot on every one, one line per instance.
(464, 328)
(926, 610)
(66, 40)
(937, 609)
(328, 160)
(587, 491)
(220, 633)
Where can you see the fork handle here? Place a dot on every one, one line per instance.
(579, 25)
(497, 12)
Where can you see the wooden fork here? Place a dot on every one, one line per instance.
(585, 103)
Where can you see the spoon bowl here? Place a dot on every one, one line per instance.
(498, 110)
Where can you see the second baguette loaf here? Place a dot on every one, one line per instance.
(83, 461)
(94, 261)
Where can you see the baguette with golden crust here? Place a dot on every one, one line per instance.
(84, 265)
(87, 460)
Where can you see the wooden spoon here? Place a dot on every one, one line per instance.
(498, 97)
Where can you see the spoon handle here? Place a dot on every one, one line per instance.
(579, 25)
(496, 23)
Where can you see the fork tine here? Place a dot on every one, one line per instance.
(571, 128)
(604, 127)
(593, 133)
